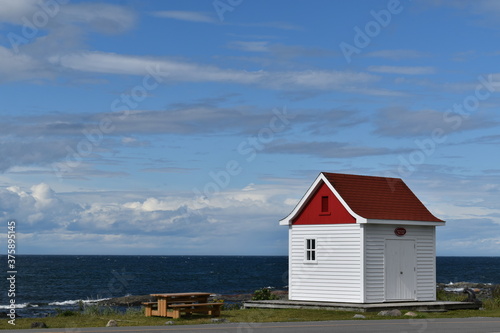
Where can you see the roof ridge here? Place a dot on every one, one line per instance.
(351, 174)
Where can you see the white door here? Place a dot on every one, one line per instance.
(400, 270)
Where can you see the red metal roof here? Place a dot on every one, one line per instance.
(380, 197)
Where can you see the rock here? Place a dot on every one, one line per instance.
(219, 320)
(169, 322)
(112, 323)
(136, 300)
(482, 290)
(38, 324)
(390, 313)
(471, 296)
(233, 297)
(411, 314)
(359, 316)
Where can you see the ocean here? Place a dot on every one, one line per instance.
(44, 283)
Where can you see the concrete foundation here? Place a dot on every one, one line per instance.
(439, 306)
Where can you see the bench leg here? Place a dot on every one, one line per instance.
(176, 314)
(214, 312)
(162, 307)
(148, 311)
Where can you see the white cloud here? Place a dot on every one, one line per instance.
(465, 247)
(402, 70)
(318, 80)
(401, 122)
(42, 213)
(165, 69)
(469, 236)
(18, 152)
(489, 9)
(21, 67)
(184, 71)
(184, 223)
(13, 11)
(259, 46)
(18, 67)
(396, 54)
(48, 28)
(451, 202)
(100, 17)
(39, 208)
(186, 16)
(471, 211)
(331, 149)
(153, 204)
(43, 195)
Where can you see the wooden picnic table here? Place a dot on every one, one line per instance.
(174, 304)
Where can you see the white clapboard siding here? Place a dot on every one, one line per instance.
(337, 274)
(375, 238)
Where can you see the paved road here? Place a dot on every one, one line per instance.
(455, 325)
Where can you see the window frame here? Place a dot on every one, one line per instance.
(310, 250)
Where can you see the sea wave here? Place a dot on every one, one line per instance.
(18, 306)
(74, 302)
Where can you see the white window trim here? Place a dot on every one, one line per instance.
(311, 250)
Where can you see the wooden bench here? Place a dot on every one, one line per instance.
(151, 308)
(212, 309)
(174, 304)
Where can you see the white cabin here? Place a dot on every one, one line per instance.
(361, 239)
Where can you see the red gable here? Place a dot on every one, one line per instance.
(380, 198)
(334, 213)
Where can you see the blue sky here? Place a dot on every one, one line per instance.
(192, 127)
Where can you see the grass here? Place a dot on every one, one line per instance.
(492, 304)
(442, 295)
(138, 319)
(85, 320)
(134, 317)
(98, 316)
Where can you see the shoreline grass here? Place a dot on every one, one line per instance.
(137, 318)
(99, 315)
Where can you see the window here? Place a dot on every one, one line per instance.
(325, 207)
(324, 204)
(310, 250)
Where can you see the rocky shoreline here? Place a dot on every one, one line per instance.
(136, 300)
(482, 291)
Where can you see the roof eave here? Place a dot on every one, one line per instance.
(405, 222)
(285, 221)
(288, 219)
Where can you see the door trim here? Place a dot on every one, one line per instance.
(406, 265)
